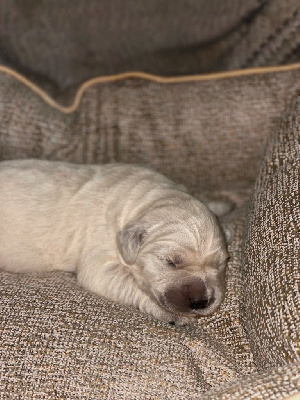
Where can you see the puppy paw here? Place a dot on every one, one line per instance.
(219, 207)
(181, 321)
(171, 318)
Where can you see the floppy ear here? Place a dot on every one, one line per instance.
(129, 241)
(228, 232)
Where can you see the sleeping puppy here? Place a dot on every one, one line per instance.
(130, 234)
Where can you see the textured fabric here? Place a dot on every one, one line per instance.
(272, 249)
(66, 43)
(175, 128)
(59, 342)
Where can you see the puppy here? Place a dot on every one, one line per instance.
(130, 234)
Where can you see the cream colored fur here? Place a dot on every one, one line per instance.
(129, 233)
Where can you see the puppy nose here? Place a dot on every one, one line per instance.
(197, 295)
(199, 304)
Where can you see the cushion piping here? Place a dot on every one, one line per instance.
(138, 75)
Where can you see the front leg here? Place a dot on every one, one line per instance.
(116, 282)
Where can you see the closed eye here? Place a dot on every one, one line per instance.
(170, 262)
(175, 261)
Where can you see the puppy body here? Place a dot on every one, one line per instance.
(129, 233)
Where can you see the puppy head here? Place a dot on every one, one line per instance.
(179, 261)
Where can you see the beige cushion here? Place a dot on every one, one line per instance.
(58, 341)
(271, 269)
(66, 43)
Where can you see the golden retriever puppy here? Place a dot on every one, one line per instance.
(129, 233)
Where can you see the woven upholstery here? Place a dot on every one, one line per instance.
(175, 128)
(65, 44)
(272, 250)
(60, 342)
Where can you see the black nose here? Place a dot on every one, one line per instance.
(199, 304)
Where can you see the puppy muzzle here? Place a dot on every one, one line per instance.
(192, 298)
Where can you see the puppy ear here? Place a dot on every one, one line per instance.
(129, 241)
(228, 232)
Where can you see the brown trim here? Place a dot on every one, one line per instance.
(139, 75)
